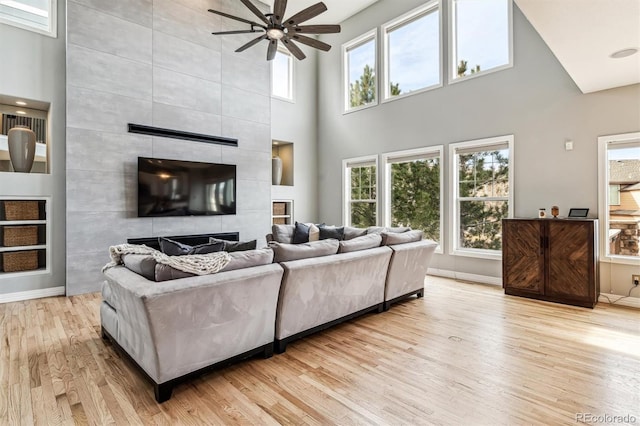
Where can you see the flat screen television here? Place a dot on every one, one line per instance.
(185, 188)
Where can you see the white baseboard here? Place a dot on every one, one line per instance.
(32, 294)
(616, 299)
(484, 279)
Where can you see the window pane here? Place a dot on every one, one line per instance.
(363, 183)
(281, 76)
(484, 174)
(363, 214)
(414, 55)
(362, 74)
(481, 224)
(415, 196)
(31, 13)
(624, 201)
(481, 35)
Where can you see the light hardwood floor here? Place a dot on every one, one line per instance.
(464, 354)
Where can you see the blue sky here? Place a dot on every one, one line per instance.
(624, 154)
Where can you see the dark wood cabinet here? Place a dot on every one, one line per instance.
(551, 259)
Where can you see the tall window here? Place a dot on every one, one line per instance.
(34, 15)
(282, 76)
(482, 177)
(359, 64)
(412, 51)
(619, 177)
(480, 37)
(413, 190)
(361, 191)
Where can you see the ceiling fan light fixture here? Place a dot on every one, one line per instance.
(624, 53)
(275, 33)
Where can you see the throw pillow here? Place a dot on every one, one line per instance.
(314, 232)
(350, 232)
(288, 252)
(282, 233)
(363, 242)
(300, 233)
(141, 264)
(392, 238)
(231, 246)
(334, 232)
(174, 248)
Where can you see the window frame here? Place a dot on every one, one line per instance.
(291, 79)
(387, 160)
(453, 66)
(396, 23)
(347, 165)
(346, 47)
(52, 30)
(603, 195)
(454, 229)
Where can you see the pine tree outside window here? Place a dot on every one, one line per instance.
(360, 196)
(482, 180)
(34, 15)
(360, 72)
(413, 190)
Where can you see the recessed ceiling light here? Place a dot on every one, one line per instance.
(21, 112)
(624, 53)
(21, 103)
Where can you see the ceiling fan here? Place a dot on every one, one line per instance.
(276, 28)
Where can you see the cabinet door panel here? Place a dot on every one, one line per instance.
(570, 259)
(523, 256)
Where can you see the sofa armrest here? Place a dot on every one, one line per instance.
(172, 328)
(408, 268)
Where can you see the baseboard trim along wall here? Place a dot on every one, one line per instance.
(616, 299)
(483, 279)
(32, 294)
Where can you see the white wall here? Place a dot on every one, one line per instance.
(32, 66)
(296, 122)
(535, 100)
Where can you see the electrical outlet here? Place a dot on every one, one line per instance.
(635, 279)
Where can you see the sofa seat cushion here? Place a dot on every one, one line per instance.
(392, 238)
(239, 260)
(360, 243)
(141, 264)
(287, 252)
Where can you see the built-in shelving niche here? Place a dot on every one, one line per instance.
(284, 150)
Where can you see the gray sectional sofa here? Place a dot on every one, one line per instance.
(183, 325)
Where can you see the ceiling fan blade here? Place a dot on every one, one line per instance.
(311, 42)
(295, 50)
(256, 11)
(306, 14)
(235, 32)
(273, 48)
(316, 29)
(246, 21)
(251, 43)
(278, 11)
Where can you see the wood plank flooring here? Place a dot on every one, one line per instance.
(464, 354)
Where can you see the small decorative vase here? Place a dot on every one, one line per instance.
(555, 211)
(22, 148)
(276, 170)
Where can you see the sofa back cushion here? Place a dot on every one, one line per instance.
(239, 260)
(287, 252)
(360, 243)
(351, 232)
(141, 264)
(392, 238)
(283, 233)
(381, 229)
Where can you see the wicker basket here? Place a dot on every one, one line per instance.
(20, 236)
(20, 261)
(21, 210)
(279, 220)
(279, 209)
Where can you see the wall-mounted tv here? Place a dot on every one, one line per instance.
(185, 188)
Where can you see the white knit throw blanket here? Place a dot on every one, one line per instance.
(199, 264)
